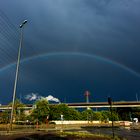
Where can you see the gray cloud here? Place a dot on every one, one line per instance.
(107, 28)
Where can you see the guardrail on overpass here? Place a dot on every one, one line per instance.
(85, 105)
(104, 104)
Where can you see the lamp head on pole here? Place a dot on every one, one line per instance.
(24, 22)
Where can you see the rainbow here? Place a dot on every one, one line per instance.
(92, 56)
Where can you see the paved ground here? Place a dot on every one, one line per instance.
(130, 134)
(47, 136)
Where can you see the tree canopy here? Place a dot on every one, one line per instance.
(41, 111)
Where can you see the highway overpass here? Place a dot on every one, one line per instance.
(86, 105)
(104, 104)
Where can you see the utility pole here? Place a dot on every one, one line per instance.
(87, 94)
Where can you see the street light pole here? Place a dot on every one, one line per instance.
(17, 70)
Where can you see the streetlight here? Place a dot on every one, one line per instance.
(17, 70)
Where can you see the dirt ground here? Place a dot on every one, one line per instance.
(43, 136)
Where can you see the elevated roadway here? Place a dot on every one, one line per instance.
(85, 105)
(104, 104)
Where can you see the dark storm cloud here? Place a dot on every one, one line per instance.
(106, 28)
(67, 75)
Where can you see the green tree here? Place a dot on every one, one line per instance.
(97, 116)
(5, 116)
(62, 109)
(135, 113)
(74, 114)
(107, 115)
(40, 112)
(18, 114)
(91, 115)
(86, 114)
(124, 113)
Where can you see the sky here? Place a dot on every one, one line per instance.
(69, 47)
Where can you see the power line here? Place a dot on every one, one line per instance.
(8, 40)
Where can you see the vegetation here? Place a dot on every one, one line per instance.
(128, 113)
(17, 115)
(40, 112)
(91, 115)
(44, 111)
(81, 135)
(62, 109)
(19, 111)
(107, 115)
(4, 117)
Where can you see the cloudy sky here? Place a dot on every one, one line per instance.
(71, 46)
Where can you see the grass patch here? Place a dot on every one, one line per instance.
(83, 135)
